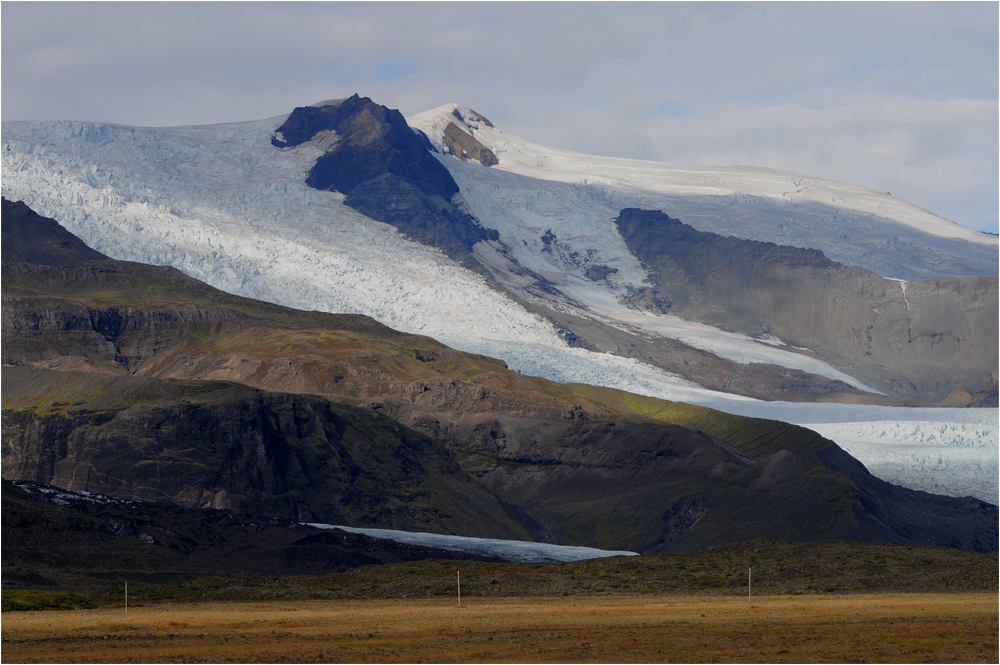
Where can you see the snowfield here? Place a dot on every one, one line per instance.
(223, 205)
(851, 224)
(508, 550)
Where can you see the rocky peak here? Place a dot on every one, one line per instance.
(466, 147)
(456, 131)
(386, 170)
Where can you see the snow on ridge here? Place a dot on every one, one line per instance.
(852, 224)
(510, 550)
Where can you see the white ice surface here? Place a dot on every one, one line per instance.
(943, 451)
(223, 205)
(849, 223)
(509, 550)
(523, 210)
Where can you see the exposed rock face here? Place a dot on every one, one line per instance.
(597, 273)
(387, 172)
(225, 446)
(921, 339)
(466, 147)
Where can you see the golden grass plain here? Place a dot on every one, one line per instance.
(941, 627)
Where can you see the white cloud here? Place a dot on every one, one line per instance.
(898, 96)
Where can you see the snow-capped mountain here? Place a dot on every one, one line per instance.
(230, 204)
(851, 224)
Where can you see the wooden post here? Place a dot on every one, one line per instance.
(126, 599)
(458, 576)
(749, 581)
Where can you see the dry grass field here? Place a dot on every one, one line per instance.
(938, 627)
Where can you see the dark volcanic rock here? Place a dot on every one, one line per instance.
(387, 172)
(466, 147)
(597, 273)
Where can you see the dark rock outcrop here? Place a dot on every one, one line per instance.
(387, 172)
(30, 238)
(466, 147)
(225, 446)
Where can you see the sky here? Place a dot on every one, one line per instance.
(901, 97)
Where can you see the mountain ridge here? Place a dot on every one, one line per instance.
(406, 432)
(163, 196)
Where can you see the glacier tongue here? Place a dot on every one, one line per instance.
(508, 550)
(559, 230)
(222, 205)
(939, 450)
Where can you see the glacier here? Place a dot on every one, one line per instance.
(849, 223)
(221, 204)
(520, 551)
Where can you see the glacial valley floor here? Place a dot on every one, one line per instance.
(916, 627)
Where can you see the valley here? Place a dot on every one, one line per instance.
(415, 331)
(189, 433)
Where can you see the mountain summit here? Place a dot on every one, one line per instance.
(385, 170)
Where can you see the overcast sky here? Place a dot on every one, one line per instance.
(900, 97)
